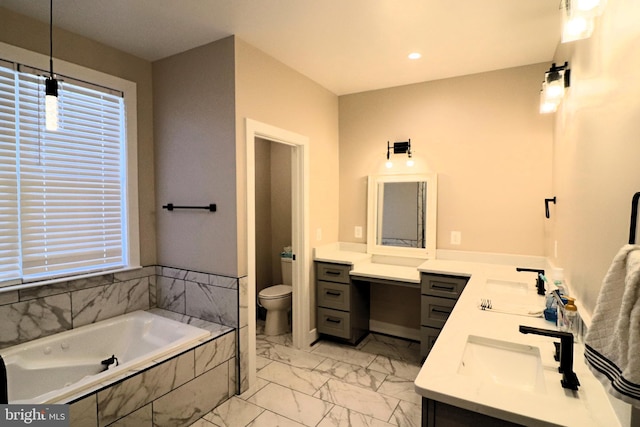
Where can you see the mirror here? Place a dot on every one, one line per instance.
(401, 216)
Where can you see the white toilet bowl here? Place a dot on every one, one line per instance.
(277, 300)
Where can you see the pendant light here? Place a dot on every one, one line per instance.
(51, 84)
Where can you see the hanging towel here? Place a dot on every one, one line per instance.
(612, 343)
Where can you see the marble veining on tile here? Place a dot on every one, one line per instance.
(235, 412)
(28, 320)
(170, 294)
(135, 392)
(212, 303)
(343, 417)
(187, 403)
(398, 368)
(340, 352)
(292, 404)
(352, 374)
(104, 302)
(407, 414)
(214, 353)
(223, 281)
(358, 399)
(291, 356)
(303, 380)
(173, 273)
(400, 388)
(68, 286)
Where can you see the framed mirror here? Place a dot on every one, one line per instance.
(401, 215)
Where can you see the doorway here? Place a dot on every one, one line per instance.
(255, 132)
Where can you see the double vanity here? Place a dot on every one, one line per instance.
(479, 368)
(466, 310)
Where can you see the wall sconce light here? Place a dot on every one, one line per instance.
(51, 84)
(578, 18)
(553, 87)
(399, 148)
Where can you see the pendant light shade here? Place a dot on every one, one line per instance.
(51, 84)
(51, 104)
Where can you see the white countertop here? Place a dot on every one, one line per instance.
(439, 378)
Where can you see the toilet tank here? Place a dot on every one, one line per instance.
(286, 267)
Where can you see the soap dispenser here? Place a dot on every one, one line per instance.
(570, 317)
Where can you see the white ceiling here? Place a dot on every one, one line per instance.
(346, 46)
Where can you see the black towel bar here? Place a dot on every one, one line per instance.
(170, 207)
(634, 218)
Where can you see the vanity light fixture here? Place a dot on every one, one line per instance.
(553, 87)
(578, 18)
(401, 147)
(51, 84)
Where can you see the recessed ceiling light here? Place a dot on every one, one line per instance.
(415, 55)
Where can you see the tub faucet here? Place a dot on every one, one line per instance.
(4, 392)
(569, 378)
(539, 281)
(109, 361)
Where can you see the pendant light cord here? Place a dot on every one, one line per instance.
(51, 38)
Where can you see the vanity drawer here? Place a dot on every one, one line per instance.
(442, 285)
(332, 272)
(428, 338)
(334, 322)
(333, 295)
(435, 311)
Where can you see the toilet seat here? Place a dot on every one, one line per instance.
(275, 292)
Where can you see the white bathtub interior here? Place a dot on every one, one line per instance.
(49, 369)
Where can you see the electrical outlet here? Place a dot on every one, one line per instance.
(358, 232)
(456, 237)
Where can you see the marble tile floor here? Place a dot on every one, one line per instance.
(330, 384)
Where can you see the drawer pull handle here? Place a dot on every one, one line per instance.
(441, 311)
(332, 320)
(333, 293)
(332, 272)
(443, 287)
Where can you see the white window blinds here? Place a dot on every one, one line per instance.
(70, 192)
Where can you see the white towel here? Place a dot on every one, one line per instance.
(612, 343)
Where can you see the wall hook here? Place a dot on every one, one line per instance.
(546, 205)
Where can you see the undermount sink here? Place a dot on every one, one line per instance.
(500, 362)
(507, 287)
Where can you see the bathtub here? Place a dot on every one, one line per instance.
(49, 369)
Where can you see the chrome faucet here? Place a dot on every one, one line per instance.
(569, 378)
(539, 281)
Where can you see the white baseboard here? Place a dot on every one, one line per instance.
(394, 330)
(312, 337)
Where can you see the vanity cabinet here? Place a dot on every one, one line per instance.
(342, 304)
(438, 414)
(439, 293)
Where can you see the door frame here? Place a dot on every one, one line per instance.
(300, 227)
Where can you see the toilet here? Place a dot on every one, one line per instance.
(276, 300)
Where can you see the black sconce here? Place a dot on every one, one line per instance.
(401, 147)
(556, 80)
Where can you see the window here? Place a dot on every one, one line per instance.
(64, 195)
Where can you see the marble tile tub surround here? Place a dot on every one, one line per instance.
(205, 296)
(28, 314)
(32, 313)
(172, 391)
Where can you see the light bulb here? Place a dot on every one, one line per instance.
(51, 104)
(410, 162)
(388, 164)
